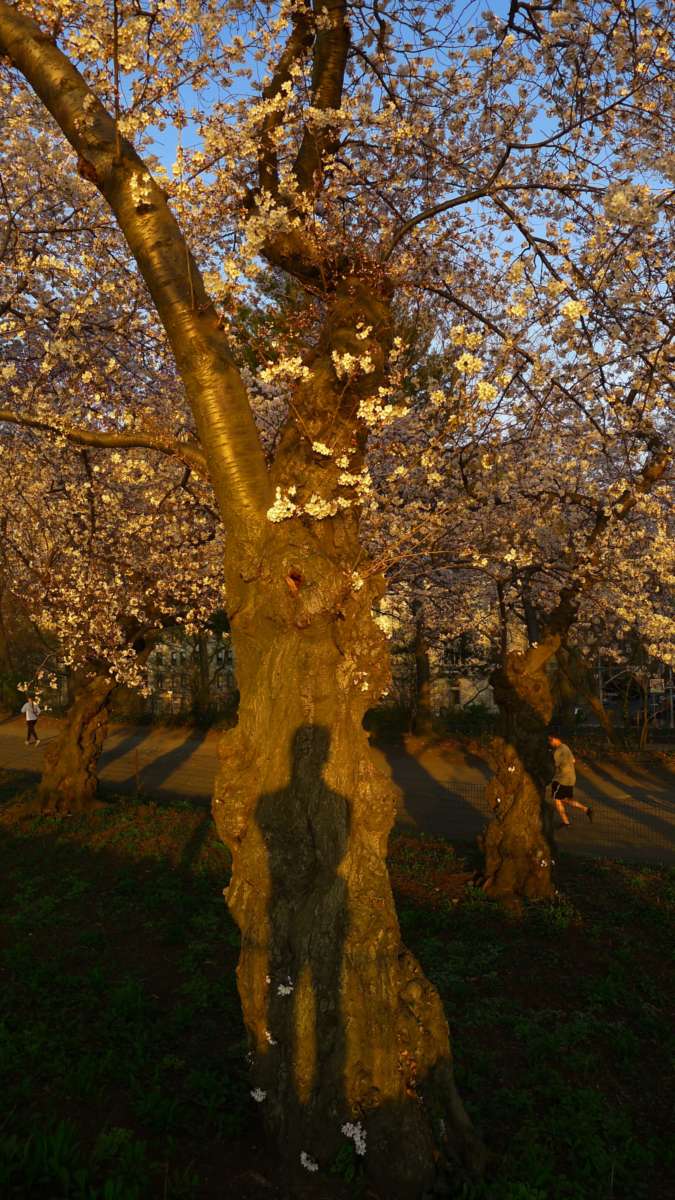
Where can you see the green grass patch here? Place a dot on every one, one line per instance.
(123, 1058)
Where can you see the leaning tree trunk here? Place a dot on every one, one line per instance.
(581, 679)
(604, 717)
(644, 729)
(69, 777)
(344, 1027)
(518, 843)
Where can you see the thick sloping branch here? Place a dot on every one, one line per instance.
(330, 59)
(299, 41)
(109, 440)
(212, 381)
(327, 30)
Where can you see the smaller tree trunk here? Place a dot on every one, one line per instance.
(603, 716)
(202, 677)
(581, 680)
(518, 843)
(423, 715)
(626, 706)
(644, 730)
(69, 778)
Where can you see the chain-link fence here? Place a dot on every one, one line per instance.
(639, 827)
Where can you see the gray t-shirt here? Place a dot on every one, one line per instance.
(564, 766)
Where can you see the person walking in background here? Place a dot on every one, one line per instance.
(564, 779)
(32, 710)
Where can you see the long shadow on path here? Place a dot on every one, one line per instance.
(153, 774)
(130, 742)
(436, 807)
(649, 820)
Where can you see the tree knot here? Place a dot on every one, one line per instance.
(294, 581)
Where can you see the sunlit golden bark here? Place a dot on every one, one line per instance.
(518, 843)
(300, 800)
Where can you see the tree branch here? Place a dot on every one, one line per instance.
(330, 59)
(327, 28)
(105, 440)
(455, 202)
(212, 381)
(299, 41)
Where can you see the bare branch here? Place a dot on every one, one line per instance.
(455, 202)
(108, 440)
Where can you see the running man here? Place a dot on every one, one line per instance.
(564, 779)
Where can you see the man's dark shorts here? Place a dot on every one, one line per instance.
(563, 791)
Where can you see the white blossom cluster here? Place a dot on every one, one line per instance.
(356, 1132)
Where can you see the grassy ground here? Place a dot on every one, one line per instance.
(122, 1054)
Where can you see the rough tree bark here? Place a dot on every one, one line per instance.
(518, 843)
(70, 767)
(69, 777)
(307, 812)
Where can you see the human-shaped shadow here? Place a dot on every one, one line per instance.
(305, 828)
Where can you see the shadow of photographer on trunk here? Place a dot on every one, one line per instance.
(305, 827)
(354, 1043)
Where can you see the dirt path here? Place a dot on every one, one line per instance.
(442, 786)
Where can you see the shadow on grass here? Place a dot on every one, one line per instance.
(118, 1010)
(122, 1052)
(15, 784)
(123, 1057)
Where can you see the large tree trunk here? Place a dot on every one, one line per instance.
(518, 843)
(69, 777)
(343, 1025)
